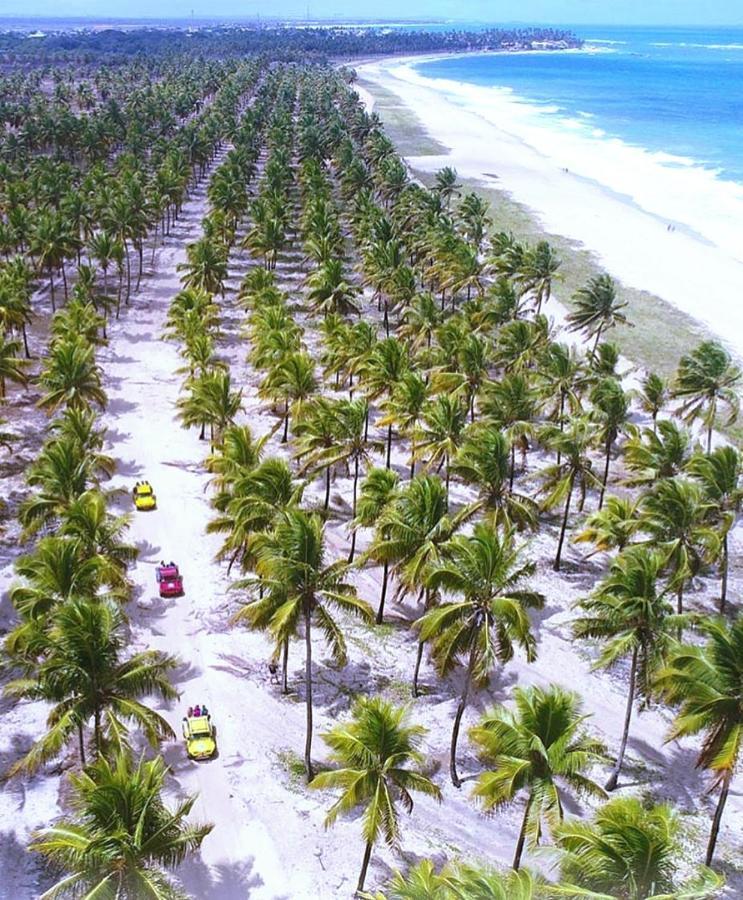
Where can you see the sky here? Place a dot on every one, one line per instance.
(592, 12)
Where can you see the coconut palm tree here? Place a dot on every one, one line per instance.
(410, 535)
(575, 468)
(330, 292)
(486, 569)
(628, 852)
(610, 411)
(446, 184)
(205, 268)
(654, 454)
(11, 367)
(291, 381)
(440, 434)
(123, 838)
(539, 269)
(383, 367)
(84, 673)
(462, 882)
(381, 766)
(315, 437)
(484, 461)
(676, 518)
(512, 403)
(706, 682)
(100, 534)
(211, 402)
(378, 491)
(256, 498)
(632, 617)
(721, 476)
(535, 748)
(71, 377)
(706, 379)
(596, 309)
(291, 563)
(654, 395)
(612, 527)
(405, 409)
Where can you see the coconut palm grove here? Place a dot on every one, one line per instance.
(460, 585)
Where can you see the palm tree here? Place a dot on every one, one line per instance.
(70, 376)
(486, 569)
(706, 379)
(315, 436)
(707, 684)
(291, 564)
(383, 367)
(539, 269)
(446, 184)
(410, 535)
(381, 765)
(11, 367)
(657, 453)
(205, 268)
(405, 408)
(211, 402)
(378, 491)
(291, 381)
(439, 437)
(611, 408)
(654, 395)
(628, 852)
(597, 308)
(462, 882)
(612, 527)
(123, 837)
(84, 674)
(575, 467)
(633, 618)
(720, 473)
(512, 404)
(676, 518)
(534, 748)
(329, 292)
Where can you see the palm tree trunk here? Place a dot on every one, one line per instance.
(285, 436)
(64, 280)
(364, 867)
(51, 288)
(709, 439)
(308, 688)
(724, 567)
(606, 474)
(25, 341)
(561, 420)
(522, 837)
(598, 338)
(97, 731)
(81, 743)
(327, 489)
(353, 508)
(513, 466)
(285, 668)
(564, 526)
(460, 712)
(447, 475)
(718, 817)
(389, 444)
(418, 659)
(383, 597)
(614, 777)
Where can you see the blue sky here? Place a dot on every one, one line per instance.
(619, 12)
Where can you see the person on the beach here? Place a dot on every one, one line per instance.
(197, 711)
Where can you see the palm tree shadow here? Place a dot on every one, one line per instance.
(21, 869)
(223, 881)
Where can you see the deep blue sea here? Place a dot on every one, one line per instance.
(678, 91)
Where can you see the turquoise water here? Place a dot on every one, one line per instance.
(676, 91)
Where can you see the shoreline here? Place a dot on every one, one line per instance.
(489, 135)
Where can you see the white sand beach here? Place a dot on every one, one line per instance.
(616, 200)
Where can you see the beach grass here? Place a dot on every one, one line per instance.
(661, 333)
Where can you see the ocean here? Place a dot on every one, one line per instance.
(653, 116)
(675, 91)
